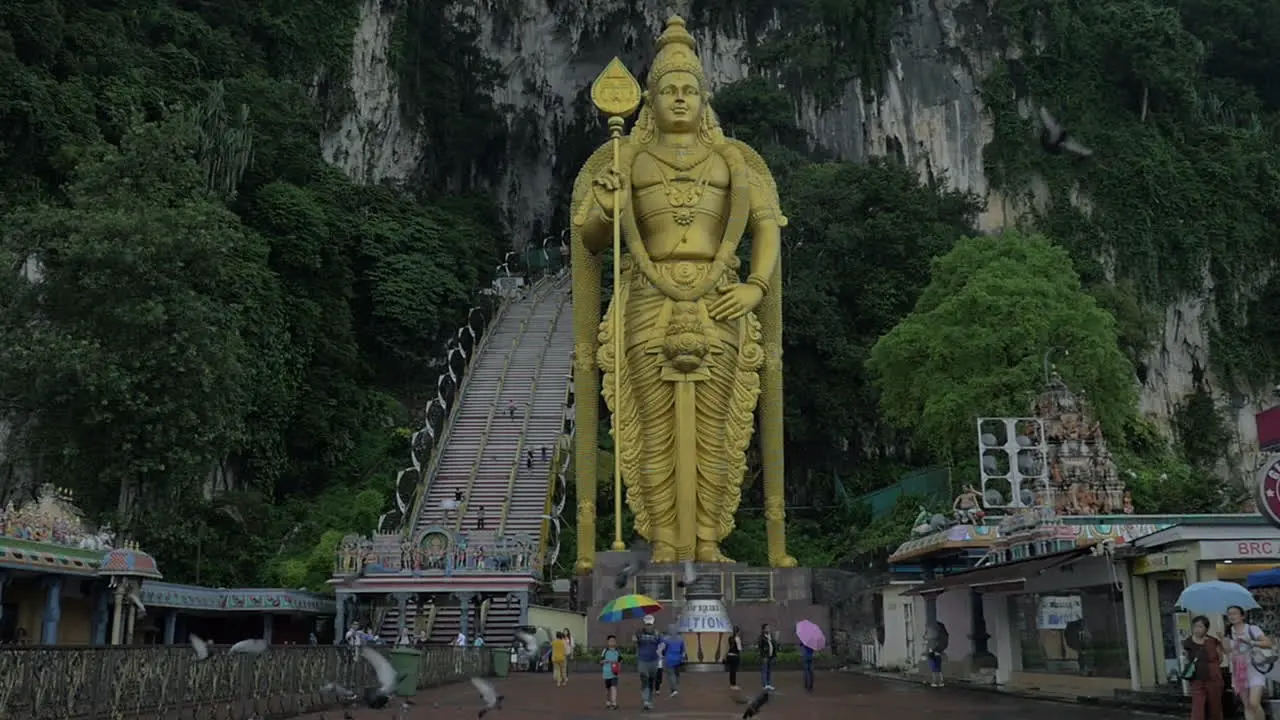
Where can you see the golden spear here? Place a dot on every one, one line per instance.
(616, 94)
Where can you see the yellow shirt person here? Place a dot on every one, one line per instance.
(559, 653)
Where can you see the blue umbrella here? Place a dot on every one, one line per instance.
(1213, 598)
(1263, 579)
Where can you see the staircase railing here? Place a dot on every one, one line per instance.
(536, 299)
(528, 415)
(446, 428)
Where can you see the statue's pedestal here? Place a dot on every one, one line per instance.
(747, 598)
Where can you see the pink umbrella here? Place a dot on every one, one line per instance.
(810, 635)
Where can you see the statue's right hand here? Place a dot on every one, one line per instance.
(605, 187)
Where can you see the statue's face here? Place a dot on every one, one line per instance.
(678, 105)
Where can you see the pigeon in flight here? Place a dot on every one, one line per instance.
(377, 697)
(528, 641)
(1055, 139)
(492, 700)
(757, 702)
(201, 647)
(137, 603)
(638, 561)
(255, 646)
(690, 575)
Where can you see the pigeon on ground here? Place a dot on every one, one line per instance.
(757, 702)
(255, 646)
(1054, 138)
(638, 561)
(201, 647)
(690, 575)
(492, 700)
(341, 692)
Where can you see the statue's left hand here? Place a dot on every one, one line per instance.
(737, 300)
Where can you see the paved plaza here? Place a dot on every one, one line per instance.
(706, 696)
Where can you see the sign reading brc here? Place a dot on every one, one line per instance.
(1239, 549)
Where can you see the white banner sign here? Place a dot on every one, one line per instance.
(1056, 611)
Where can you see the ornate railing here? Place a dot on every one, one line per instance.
(114, 683)
(439, 554)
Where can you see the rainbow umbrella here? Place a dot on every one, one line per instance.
(629, 606)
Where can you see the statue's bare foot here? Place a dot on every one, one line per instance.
(785, 561)
(709, 552)
(662, 553)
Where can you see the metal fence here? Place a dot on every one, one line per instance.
(167, 683)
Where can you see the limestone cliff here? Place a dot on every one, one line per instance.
(928, 112)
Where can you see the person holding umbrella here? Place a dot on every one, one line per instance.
(811, 640)
(1251, 651)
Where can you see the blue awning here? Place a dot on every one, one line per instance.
(1263, 579)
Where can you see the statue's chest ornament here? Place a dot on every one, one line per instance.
(684, 191)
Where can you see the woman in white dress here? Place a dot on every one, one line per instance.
(1251, 660)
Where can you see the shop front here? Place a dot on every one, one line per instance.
(1196, 550)
(1057, 622)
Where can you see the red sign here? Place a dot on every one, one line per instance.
(1269, 494)
(1268, 424)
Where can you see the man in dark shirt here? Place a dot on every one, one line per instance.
(647, 642)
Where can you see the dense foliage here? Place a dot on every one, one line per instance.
(225, 332)
(1179, 100)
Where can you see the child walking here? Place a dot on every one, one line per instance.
(610, 668)
(559, 655)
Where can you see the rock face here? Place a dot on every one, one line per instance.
(929, 113)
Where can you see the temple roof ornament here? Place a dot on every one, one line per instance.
(129, 561)
(1082, 473)
(53, 518)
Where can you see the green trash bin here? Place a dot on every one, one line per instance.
(501, 663)
(408, 664)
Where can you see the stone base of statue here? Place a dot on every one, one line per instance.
(724, 596)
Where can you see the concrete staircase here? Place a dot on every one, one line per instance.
(529, 478)
(484, 438)
(526, 360)
(501, 621)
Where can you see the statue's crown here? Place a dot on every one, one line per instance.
(677, 51)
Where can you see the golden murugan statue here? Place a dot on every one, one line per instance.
(701, 346)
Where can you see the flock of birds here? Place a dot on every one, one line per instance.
(379, 696)
(375, 697)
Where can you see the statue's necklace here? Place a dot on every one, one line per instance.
(684, 190)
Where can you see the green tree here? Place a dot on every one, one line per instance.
(975, 342)
(126, 345)
(857, 254)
